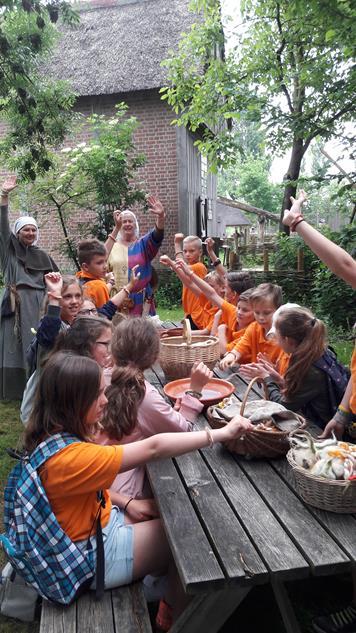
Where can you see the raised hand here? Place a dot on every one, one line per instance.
(290, 215)
(54, 283)
(118, 219)
(167, 261)
(142, 510)
(209, 242)
(135, 277)
(8, 185)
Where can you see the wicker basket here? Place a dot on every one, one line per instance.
(177, 360)
(258, 443)
(326, 494)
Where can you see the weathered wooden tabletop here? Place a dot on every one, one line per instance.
(233, 523)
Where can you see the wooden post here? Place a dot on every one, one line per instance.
(265, 260)
(300, 260)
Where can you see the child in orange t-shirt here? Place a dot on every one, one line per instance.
(191, 249)
(92, 258)
(265, 299)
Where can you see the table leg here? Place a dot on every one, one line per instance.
(208, 612)
(285, 607)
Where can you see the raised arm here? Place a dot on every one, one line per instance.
(125, 292)
(214, 258)
(335, 257)
(181, 274)
(7, 186)
(112, 237)
(202, 285)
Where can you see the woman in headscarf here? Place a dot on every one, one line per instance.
(23, 267)
(126, 249)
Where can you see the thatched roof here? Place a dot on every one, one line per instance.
(118, 48)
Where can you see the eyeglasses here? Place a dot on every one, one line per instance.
(106, 343)
(88, 311)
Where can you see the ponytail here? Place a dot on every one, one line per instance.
(309, 333)
(124, 395)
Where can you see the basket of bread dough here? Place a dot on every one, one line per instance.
(272, 425)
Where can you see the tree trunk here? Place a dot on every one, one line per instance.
(291, 178)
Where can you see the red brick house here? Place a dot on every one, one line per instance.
(115, 55)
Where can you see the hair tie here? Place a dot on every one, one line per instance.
(312, 322)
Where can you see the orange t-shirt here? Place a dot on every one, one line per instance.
(95, 289)
(353, 382)
(191, 304)
(235, 337)
(71, 479)
(208, 312)
(229, 316)
(254, 342)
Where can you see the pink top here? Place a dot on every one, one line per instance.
(155, 415)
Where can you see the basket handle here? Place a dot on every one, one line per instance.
(248, 389)
(187, 331)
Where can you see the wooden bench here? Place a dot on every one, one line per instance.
(121, 610)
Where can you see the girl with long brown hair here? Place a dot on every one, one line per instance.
(71, 399)
(305, 385)
(135, 409)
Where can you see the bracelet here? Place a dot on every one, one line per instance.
(295, 222)
(217, 262)
(232, 351)
(179, 253)
(210, 436)
(111, 282)
(343, 409)
(195, 394)
(112, 237)
(51, 294)
(126, 290)
(127, 503)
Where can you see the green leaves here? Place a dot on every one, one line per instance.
(36, 109)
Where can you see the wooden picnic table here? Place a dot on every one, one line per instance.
(234, 523)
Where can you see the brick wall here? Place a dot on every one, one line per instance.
(156, 139)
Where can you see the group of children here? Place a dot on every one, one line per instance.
(90, 383)
(290, 358)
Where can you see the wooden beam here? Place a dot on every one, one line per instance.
(248, 207)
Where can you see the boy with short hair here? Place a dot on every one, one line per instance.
(190, 249)
(265, 299)
(92, 258)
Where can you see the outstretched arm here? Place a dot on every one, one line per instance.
(181, 274)
(202, 285)
(166, 445)
(335, 257)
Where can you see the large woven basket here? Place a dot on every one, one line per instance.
(326, 494)
(177, 360)
(257, 443)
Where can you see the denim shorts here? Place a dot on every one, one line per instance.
(118, 547)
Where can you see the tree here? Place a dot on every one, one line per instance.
(97, 176)
(291, 68)
(37, 109)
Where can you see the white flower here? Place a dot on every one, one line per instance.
(87, 149)
(74, 160)
(65, 150)
(63, 175)
(81, 144)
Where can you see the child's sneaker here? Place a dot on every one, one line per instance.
(343, 621)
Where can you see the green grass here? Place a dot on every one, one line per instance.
(165, 314)
(11, 430)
